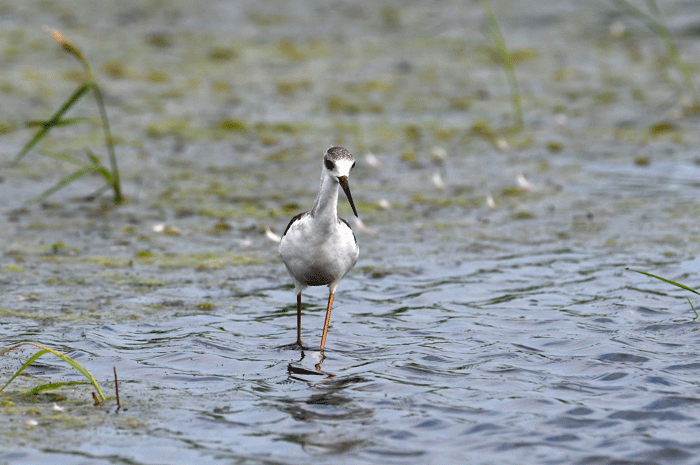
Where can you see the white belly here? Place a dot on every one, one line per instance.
(316, 258)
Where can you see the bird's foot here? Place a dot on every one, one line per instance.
(295, 346)
(297, 369)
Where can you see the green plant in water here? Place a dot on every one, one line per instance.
(93, 164)
(65, 358)
(658, 27)
(506, 61)
(682, 286)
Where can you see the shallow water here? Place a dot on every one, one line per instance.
(468, 332)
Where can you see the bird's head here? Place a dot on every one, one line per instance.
(338, 163)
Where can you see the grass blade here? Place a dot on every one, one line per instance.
(693, 307)
(93, 158)
(54, 121)
(109, 142)
(46, 387)
(111, 176)
(98, 166)
(682, 286)
(65, 181)
(63, 357)
(31, 360)
(662, 32)
(506, 61)
(62, 157)
(63, 122)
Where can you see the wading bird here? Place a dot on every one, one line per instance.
(318, 248)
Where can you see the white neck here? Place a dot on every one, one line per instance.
(325, 209)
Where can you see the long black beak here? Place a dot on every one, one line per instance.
(343, 180)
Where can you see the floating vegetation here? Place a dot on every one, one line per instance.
(93, 165)
(103, 260)
(197, 261)
(663, 127)
(642, 160)
(232, 125)
(523, 215)
(482, 128)
(337, 104)
(221, 227)
(555, 147)
(159, 40)
(168, 127)
(513, 192)
(222, 54)
(158, 76)
(287, 87)
(114, 69)
(65, 358)
(14, 268)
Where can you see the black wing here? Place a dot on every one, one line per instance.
(292, 221)
(346, 224)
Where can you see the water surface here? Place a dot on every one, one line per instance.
(491, 317)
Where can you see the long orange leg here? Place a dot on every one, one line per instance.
(299, 320)
(328, 320)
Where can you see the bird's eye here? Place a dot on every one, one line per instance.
(329, 164)
(353, 165)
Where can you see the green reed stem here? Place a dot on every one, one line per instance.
(506, 61)
(109, 140)
(111, 176)
(661, 31)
